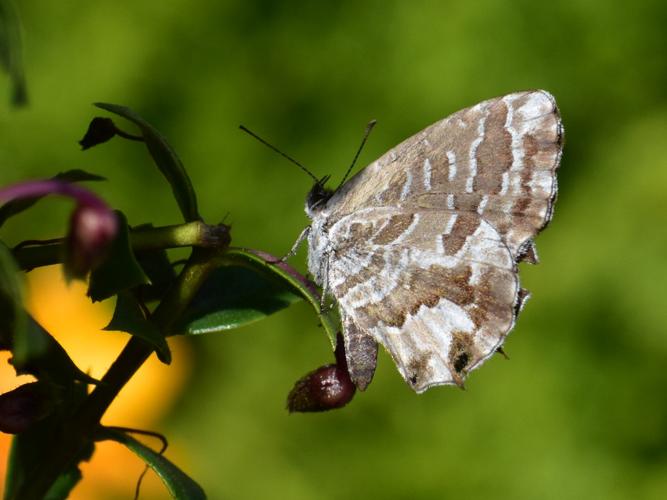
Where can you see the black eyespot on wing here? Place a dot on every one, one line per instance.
(461, 362)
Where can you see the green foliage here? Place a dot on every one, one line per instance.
(13, 321)
(58, 403)
(129, 317)
(11, 48)
(29, 453)
(36, 352)
(233, 297)
(180, 486)
(250, 287)
(165, 159)
(120, 270)
(64, 485)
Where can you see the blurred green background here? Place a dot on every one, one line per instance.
(580, 410)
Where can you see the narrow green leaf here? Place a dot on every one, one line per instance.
(13, 322)
(129, 317)
(77, 175)
(120, 271)
(11, 51)
(64, 485)
(179, 485)
(166, 160)
(233, 297)
(17, 206)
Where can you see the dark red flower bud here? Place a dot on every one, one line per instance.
(24, 406)
(326, 388)
(92, 228)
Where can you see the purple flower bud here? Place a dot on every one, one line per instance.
(326, 388)
(93, 224)
(24, 406)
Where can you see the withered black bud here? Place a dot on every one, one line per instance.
(216, 236)
(100, 130)
(23, 407)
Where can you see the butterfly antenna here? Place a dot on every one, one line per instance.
(369, 127)
(250, 132)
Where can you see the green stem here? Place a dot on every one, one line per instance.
(194, 234)
(80, 431)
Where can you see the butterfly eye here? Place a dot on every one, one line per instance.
(318, 195)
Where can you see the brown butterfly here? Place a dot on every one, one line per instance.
(420, 249)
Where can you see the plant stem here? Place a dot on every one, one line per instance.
(81, 428)
(194, 234)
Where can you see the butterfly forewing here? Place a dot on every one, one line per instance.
(420, 248)
(498, 159)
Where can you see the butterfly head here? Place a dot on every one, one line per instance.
(318, 196)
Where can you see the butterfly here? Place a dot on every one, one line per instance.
(420, 249)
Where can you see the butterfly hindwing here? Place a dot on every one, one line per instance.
(438, 289)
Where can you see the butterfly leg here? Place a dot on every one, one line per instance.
(325, 283)
(295, 247)
(304, 234)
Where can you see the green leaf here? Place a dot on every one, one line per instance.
(33, 449)
(232, 297)
(166, 160)
(77, 175)
(39, 354)
(179, 485)
(251, 286)
(13, 321)
(157, 267)
(129, 317)
(11, 51)
(120, 271)
(17, 206)
(264, 262)
(64, 485)
(34, 350)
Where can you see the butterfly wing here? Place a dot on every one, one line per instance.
(437, 288)
(497, 159)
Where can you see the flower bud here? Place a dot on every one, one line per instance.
(23, 407)
(100, 130)
(326, 388)
(93, 224)
(92, 228)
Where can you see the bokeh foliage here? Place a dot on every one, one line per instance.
(578, 412)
